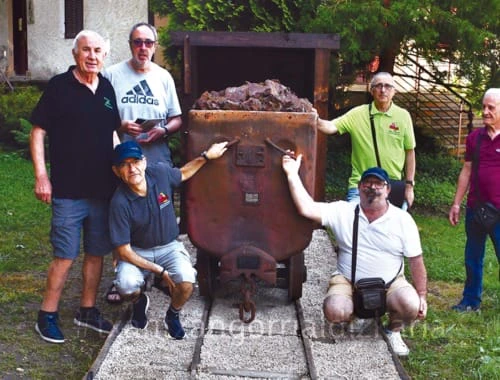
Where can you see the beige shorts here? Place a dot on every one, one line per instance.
(342, 286)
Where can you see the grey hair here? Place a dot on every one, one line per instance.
(378, 75)
(138, 25)
(492, 91)
(90, 33)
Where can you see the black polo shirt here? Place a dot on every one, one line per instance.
(79, 126)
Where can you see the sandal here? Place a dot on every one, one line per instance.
(113, 296)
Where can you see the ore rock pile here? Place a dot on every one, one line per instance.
(270, 95)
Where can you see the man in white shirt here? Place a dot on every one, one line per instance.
(386, 234)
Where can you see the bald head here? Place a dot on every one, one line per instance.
(493, 92)
(491, 108)
(90, 34)
(382, 77)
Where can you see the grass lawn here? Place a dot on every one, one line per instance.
(446, 345)
(449, 345)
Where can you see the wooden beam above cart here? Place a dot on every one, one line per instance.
(256, 39)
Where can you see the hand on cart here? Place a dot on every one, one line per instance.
(291, 165)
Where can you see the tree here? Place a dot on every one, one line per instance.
(465, 33)
(237, 15)
(462, 31)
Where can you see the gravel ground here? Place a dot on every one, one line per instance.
(269, 347)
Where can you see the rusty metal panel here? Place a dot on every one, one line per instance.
(242, 199)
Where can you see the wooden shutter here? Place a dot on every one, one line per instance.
(73, 17)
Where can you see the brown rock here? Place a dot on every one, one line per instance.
(270, 95)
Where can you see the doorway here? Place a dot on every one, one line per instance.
(20, 37)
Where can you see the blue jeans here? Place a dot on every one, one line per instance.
(352, 195)
(474, 257)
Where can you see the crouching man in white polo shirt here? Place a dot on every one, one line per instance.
(386, 235)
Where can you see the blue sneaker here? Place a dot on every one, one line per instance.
(464, 308)
(92, 319)
(139, 309)
(173, 325)
(47, 327)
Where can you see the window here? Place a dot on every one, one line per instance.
(73, 17)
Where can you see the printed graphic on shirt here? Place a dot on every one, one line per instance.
(163, 200)
(140, 94)
(394, 129)
(107, 103)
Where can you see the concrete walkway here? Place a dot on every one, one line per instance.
(285, 341)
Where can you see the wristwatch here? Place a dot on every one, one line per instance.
(205, 156)
(411, 183)
(166, 130)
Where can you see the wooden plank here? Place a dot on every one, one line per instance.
(187, 66)
(256, 39)
(321, 76)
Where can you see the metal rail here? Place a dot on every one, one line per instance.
(434, 104)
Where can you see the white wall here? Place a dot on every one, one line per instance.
(4, 33)
(49, 53)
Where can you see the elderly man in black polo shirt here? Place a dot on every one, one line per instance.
(79, 115)
(144, 230)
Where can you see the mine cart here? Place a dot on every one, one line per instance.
(239, 212)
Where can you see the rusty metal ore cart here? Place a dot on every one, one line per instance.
(239, 211)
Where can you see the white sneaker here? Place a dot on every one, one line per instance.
(359, 325)
(397, 344)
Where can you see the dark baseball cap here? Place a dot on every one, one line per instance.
(375, 172)
(128, 149)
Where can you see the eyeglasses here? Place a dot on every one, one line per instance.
(129, 164)
(138, 43)
(385, 86)
(373, 183)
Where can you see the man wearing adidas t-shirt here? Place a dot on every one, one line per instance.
(145, 90)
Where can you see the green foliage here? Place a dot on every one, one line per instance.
(461, 31)
(242, 15)
(235, 15)
(338, 167)
(433, 194)
(24, 221)
(435, 178)
(174, 143)
(15, 109)
(432, 228)
(22, 136)
(449, 345)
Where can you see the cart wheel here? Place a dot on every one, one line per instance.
(207, 268)
(296, 276)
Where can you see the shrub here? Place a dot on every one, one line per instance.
(438, 167)
(338, 167)
(15, 109)
(435, 179)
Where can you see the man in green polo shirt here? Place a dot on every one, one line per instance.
(394, 135)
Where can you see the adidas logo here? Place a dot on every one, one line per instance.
(140, 94)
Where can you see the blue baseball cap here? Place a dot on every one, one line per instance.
(375, 172)
(128, 149)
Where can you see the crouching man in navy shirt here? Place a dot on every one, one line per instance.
(144, 231)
